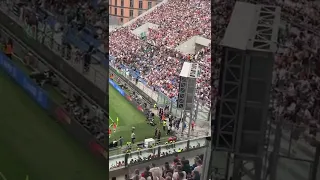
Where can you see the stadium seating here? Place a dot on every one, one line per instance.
(155, 61)
(82, 32)
(296, 80)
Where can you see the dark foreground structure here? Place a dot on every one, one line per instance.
(242, 126)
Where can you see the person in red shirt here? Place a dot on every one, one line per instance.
(114, 126)
(109, 132)
(172, 138)
(193, 124)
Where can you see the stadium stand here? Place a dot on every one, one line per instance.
(153, 59)
(295, 83)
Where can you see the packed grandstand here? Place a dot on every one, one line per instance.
(155, 60)
(295, 83)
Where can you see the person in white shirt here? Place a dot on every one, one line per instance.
(181, 176)
(133, 137)
(156, 171)
(179, 171)
(168, 130)
(199, 166)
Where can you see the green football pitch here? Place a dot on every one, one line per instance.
(33, 144)
(129, 116)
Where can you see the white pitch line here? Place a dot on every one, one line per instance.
(2, 176)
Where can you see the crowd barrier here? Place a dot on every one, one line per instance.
(156, 153)
(54, 109)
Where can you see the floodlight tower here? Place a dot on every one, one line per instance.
(245, 81)
(187, 88)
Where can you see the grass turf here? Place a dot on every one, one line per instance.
(129, 117)
(32, 143)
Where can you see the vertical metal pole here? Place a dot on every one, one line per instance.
(189, 128)
(227, 166)
(208, 160)
(315, 166)
(184, 106)
(196, 112)
(183, 120)
(209, 114)
(290, 140)
(276, 149)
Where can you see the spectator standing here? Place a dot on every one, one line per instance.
(159, 136)
(133, 137)
(167, 169)
(8, 50)
(147, 173)
(195, 175)
(156, 171)
(178, 172)
(136, 175)
(186, 167)
(121, 141)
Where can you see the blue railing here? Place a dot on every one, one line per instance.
(118, 88)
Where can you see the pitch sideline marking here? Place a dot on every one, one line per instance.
(2, 176)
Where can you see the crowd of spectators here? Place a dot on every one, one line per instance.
(80, 13)
(179, 169)
(295, 84)
(295, 77)
(155, 59)
(91, 118)
(295, 93)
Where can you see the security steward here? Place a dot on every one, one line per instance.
(8, 49)
(164, 125)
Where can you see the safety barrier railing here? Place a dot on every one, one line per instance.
(120, 149)
(143, 154)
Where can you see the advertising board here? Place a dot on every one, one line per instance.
(128, 97)
(29, 86)
(72, 126)
(113, 84)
